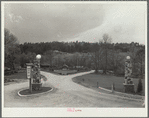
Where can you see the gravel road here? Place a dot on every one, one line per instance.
(65, 93)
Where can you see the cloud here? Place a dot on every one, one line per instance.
(121, 23)
(11, 16)
(82, 22)
(54, 21)
(14, 18)
(18, 18)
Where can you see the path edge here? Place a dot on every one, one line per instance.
(33, 94)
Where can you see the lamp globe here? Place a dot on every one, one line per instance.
(128, 57)
(38, 56)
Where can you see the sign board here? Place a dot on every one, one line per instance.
(28, 72)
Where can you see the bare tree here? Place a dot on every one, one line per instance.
(117, 62)
(96, 56)
(105, 41)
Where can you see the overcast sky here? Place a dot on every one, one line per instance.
(58, 21)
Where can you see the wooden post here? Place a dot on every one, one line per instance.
(143, 103)
(30, 85)
(112, 88)
(97, 84)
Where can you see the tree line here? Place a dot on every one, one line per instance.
(103, 55)
(69, 47)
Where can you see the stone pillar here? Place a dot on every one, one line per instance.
(128, 81)
(36, 85)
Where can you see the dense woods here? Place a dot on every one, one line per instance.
(103, 55)
(70, 47)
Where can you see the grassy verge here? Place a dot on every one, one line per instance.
(47, 70)
(105, 81)
(18, 77)
(15, 78)
(27, 91)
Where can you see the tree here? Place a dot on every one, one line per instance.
(75, 59)
(119, 61)
(139, 88)
(137, 54)
(140, 57)
(23, 60)
(96, 55)
(105, 41)
(116, 61)
(132, 53)
(30, 57)
(12, 49)
(82, 59)
(49, 56)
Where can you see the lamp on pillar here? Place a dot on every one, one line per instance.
(128, 82)
(128, 57)
(38, 57)
(33, 74)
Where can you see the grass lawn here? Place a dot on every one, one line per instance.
(47, 70)
(16, 77)
(106, 81)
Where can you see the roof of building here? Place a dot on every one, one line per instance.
(64, 66)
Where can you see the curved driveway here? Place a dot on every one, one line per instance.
(65, 93)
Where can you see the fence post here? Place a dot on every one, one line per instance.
(143, 103)
(31, 85)
(113, 87)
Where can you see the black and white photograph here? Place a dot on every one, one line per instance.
(74, 59)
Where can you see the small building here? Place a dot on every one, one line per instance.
(65, 67)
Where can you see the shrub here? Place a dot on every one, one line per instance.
(119, 72)
(139, 88)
